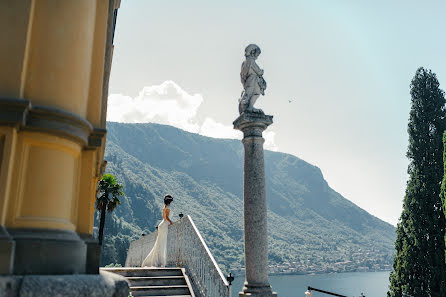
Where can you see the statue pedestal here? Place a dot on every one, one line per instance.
(254, 197)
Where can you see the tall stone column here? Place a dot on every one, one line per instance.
(55, 70)
(255, 211)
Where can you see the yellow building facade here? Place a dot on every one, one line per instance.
(55, 58)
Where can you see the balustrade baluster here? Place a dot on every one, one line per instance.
(211, 283)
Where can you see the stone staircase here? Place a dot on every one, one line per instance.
(172, 282)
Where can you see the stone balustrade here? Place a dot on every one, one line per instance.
(185, 248)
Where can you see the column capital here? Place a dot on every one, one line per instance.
(252, 124)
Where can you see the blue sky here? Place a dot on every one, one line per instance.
(345, 65)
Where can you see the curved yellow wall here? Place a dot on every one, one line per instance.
(45, 183)
(15, 16)
(55, 59)
(60, 46)
(53, 96)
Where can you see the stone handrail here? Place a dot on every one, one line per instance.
(185, 248)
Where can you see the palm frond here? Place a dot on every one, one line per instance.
(108, 193)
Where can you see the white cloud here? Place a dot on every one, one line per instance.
(166, 103)
(212, 128)
(269, 141)
(169, 104)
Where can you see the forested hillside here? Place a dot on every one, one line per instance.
(309, 223)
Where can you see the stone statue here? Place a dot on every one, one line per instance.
(252, 79)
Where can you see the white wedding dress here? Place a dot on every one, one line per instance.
(158, 255)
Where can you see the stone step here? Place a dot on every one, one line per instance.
(139, 281)
(143, 271)
(165, 296)
(160, 290)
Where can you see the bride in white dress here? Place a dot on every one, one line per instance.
(157, 256)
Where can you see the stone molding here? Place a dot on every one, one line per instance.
(252, 124)
(250, 290)
(20, 113)
(59, 123)
(13, 112)
(96, 137)
(45, 251)
(7, 248)
(45, 234)
(93, 253)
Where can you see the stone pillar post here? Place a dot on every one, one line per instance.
(52, 142)
(255, 211)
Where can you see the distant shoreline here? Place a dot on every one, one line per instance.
(324, 272)
(314, 273)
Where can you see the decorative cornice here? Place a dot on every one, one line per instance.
(58, 122)
(13, 111)
(96, 137)
(22, 114)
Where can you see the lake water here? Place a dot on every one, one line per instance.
(372, 284)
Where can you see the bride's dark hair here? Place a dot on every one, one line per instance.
(168, 199)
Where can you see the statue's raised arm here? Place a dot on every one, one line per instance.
(252, 80)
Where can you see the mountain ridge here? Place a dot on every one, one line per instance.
(308, 221)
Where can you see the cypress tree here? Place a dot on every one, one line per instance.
(443, 183)
(419, 264)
